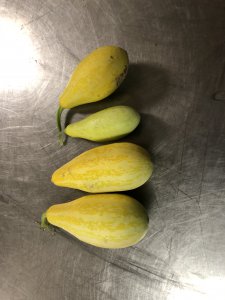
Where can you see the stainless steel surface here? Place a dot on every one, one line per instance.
(177, 82)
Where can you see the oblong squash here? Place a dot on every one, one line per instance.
(109, 168)
(103, 220)
(97, 76)
(106, 125)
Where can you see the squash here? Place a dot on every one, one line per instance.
(106, 125)
(108, 168)
(103, 220)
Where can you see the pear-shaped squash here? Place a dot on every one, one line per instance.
(109, 168)
(97, 76)
(106, 125)
(103, 220)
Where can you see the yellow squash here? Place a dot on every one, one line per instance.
(106, 125)
(103, 220)
(109, 168)
(97, 76)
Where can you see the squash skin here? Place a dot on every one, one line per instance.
(108, 168)
(106, 125)
(103, 220)
(97, 76)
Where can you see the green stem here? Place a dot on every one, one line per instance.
(44, 222)
(58, 121)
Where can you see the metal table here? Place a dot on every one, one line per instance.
(176, 81)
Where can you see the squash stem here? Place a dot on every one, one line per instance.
(44, 222)
(58, 121)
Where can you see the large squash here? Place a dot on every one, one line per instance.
(109, 168)
(102, 220)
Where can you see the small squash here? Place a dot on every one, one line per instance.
(109, 124)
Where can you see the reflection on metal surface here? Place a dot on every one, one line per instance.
(18, 58)
(201, 289)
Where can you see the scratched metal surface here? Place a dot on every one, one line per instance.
(176, 81)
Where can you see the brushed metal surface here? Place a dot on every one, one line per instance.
(176, 81)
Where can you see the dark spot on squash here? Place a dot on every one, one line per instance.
(121, 77)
